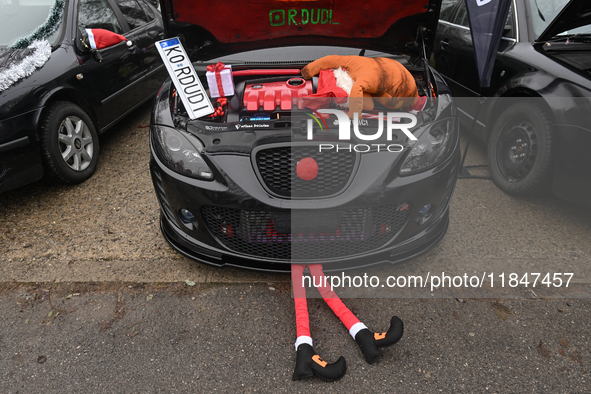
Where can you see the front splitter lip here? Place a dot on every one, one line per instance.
(221, 259)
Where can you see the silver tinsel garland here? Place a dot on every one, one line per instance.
(40, 52)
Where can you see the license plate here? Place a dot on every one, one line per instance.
(296, 222)
(185, 79)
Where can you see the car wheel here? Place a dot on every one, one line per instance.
(520, 150)
(69, 143)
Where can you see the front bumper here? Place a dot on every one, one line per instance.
(389, 206)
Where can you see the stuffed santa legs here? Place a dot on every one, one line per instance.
(307, 361)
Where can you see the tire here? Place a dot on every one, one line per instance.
(69, 143)
(520, 150)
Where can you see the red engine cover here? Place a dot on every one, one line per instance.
(275, 94)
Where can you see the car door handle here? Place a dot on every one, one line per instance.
(444, 44)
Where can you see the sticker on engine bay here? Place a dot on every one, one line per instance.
(181, 70)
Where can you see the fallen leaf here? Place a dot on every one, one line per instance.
(576, 357)
(461, 300)
(502, 308)
(563, 342)
(500, 314)
(105, 326)
(149, 297)
(543, 351)
(190, 282)
(41, 359)
(68, 296)
(50, 314)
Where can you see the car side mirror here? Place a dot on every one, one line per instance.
(81, 44)
(94, 40)
(83, 47)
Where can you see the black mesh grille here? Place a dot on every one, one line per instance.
(277, 168)
(254, 233)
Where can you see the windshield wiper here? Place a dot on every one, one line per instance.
(578, 37)
(539, 11)
(573, 43)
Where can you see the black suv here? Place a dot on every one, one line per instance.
(535, 116)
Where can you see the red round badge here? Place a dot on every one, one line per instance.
(307, 169)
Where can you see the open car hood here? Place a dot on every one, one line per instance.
(235, 26)
(575, 14)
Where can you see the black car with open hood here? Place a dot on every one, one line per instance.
(278, 172)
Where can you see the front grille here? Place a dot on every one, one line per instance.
(277, 168)
(255, 233)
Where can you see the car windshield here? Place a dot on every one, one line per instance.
(22, 18)
(542, 12)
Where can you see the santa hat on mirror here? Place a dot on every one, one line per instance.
(101, 38)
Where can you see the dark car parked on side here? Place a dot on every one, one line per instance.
(51, 113)
(230, 188)
(536, 114)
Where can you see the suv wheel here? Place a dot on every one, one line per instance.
(69, 143)
(520, 150)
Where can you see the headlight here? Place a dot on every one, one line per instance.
(180, 152)
(433, 146)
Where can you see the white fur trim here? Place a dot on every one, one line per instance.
(344, 80)
(303, 339)
(29, 64)
(356, 328)
(91, 38)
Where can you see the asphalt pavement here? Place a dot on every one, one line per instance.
(94, 300)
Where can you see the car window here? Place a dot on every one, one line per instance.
(462, 18)
(23, 19)
(97, 14)
(542, 12)
(447, 10)
(133, 13)
(148, 10)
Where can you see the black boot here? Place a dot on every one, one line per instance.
(393, 335)
(370, 342)
(367, 344)
(308, 362)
